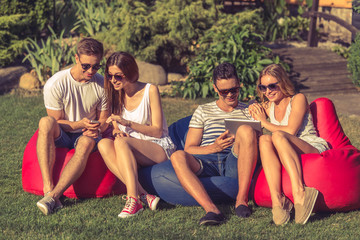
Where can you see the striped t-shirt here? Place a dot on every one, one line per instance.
(211, 118)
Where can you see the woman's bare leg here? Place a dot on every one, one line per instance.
(124, 154)
(289, 148)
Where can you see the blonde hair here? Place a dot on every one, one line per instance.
(275, 70)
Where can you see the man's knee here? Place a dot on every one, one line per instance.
(85, 143)
(178, 158)
(47, 123)
(245, 133)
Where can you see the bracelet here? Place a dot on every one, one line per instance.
(128, 124)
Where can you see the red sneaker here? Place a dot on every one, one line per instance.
(132, 208)
(150, 200)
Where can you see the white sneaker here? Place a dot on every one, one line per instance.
(46, 205)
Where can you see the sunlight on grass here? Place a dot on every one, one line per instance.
(97, 218)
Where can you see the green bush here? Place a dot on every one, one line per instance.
(38, 11)
(154, 31)
(279, 22)
(51, 55)
(20, 19)
(93, 17)
(341, 51)
(65, 17)
(354, 61)
(240, 48)
(11, 40)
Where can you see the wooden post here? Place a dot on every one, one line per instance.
(312, 41)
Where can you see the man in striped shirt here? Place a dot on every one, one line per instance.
(211, 151)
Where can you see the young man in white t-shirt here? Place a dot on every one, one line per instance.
(76, 107)
(212, 151)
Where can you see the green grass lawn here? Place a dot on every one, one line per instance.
(97, 218)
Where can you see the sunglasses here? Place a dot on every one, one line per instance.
(86, 66)
(271, 87)
(117, 77)
(225, 92)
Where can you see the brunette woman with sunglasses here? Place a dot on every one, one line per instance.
(140, 130)
(293, 134)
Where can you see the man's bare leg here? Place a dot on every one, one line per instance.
(72, 171)
(245, 147)
(185, 166)
(49, 130)
(75, 167)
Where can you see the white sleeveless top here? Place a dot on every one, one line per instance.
(142, 115)
(306, 131)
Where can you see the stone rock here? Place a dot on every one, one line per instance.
(29, 81)
(174, 77)
(9, 77)
(151, 73)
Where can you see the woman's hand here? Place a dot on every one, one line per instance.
(117, 133)
(257, 111)
(118, 119)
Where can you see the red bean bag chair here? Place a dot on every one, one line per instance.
(95, 181)
(335, 172)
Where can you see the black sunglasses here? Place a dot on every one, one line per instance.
(117, 77)
(86, 66)
(271, 87)
(225, 92)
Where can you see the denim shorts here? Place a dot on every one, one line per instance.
(217, 164)
(69, 140)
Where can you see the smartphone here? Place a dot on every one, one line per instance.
(94, 121)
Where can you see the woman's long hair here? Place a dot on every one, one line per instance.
(127, 64)
(275, 70)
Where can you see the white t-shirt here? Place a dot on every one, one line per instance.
(78, 100)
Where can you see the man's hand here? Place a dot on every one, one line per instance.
(88, 125)
(90, 129)
(91, 133)
(223, 141)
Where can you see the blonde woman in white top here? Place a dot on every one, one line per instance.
(293, 134)
(140, 130)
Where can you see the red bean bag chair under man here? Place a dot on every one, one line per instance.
(95, 181)
(335, 172)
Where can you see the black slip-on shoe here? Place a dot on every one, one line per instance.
(243, 211)
(212, 218)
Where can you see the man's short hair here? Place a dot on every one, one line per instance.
(225, 71)
(90, 47)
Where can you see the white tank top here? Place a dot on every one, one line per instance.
(142, 115)
(306, 131)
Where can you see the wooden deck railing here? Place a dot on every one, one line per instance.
(314, 14)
